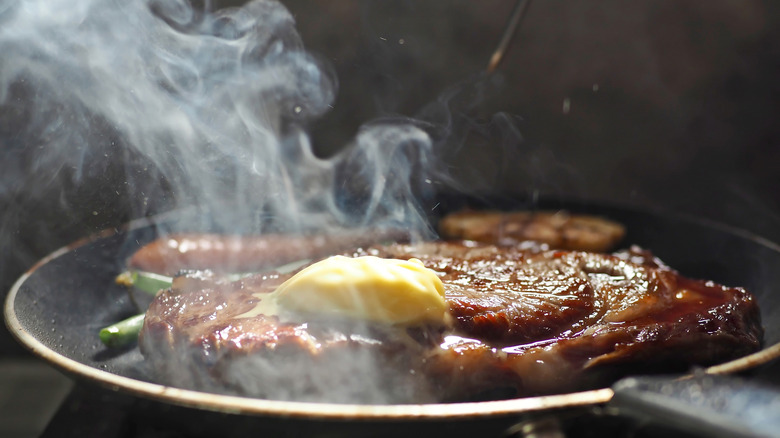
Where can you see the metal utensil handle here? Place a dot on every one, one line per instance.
(509, 32)
(704, 404)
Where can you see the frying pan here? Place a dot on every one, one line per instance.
(58, 306)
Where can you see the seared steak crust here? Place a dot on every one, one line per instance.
(569, 320)
(535, 322)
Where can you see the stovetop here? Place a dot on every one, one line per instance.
(94, 412)
(39, 401)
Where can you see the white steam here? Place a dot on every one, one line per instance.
(216, 103)
(167, 99)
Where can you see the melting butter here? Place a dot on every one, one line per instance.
(369, 288)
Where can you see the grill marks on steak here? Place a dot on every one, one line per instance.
(533, 321)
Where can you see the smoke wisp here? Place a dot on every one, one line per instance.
(211, 106)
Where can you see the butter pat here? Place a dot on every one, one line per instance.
(370, 288)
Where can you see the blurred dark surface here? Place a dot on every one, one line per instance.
(132, 417)
(659, 103)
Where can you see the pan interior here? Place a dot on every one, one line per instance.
(58, 307)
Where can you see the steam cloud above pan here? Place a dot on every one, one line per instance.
(211, 106)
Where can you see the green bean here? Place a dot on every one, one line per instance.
(148, 282)
(122, 333)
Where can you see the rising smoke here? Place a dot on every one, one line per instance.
(166, 99)
(212, 106)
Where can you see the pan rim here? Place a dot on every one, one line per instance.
(256, 406)
(332, 411)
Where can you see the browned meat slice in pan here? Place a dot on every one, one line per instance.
(533, 322)
(236, 253)
(558, 230)
(196, 336)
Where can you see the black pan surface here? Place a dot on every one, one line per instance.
(57, 308)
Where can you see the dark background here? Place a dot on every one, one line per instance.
(658, 103)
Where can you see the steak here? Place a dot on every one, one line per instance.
(523, 322)
(556, 229)
(237, 253)
(196, 336)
